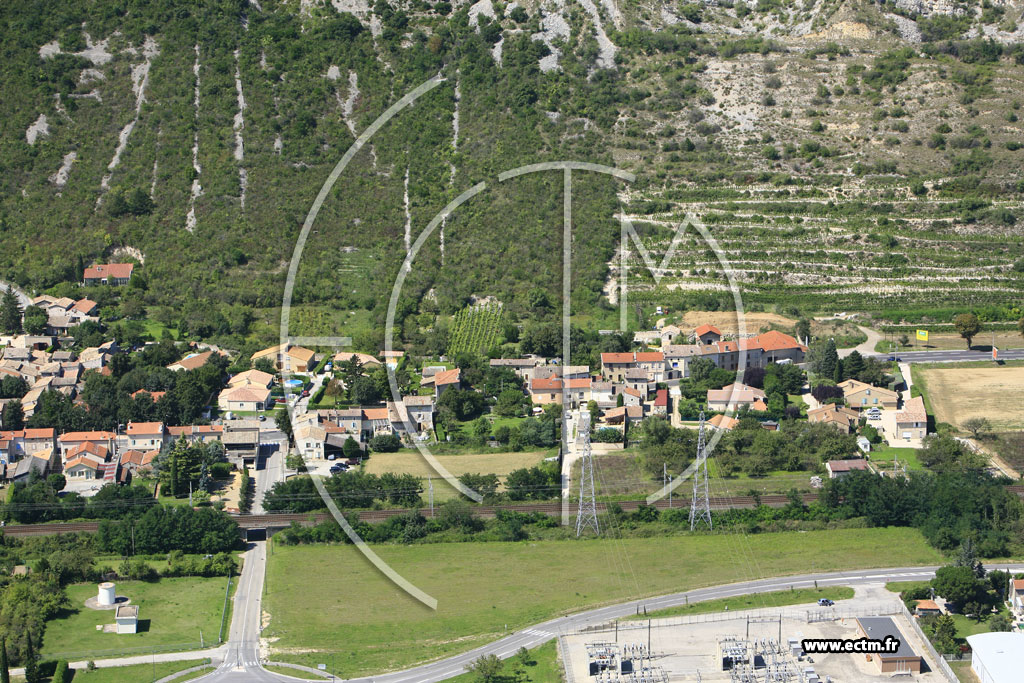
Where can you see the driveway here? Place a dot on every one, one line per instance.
(866, 348)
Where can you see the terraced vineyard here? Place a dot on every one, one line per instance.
(875, 253)
(476, 329)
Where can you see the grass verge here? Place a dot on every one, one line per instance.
(753, 601)
(140, 673)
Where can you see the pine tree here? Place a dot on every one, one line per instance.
(31, 665)
(837, 374)
(5, 670)
(10, 313)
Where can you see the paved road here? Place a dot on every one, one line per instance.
(951, 356)
(242, 653)
(272, 472)
(23, 297)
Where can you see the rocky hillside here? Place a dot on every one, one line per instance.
(845, 154)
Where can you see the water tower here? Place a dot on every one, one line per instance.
(107, 595)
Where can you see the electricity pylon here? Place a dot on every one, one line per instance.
(700, 507)
(587, 516)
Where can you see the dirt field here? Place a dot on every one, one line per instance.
(726, 321)
(477, 463)
(997, 394)
(1005, 339)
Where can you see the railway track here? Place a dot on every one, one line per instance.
(280, 520)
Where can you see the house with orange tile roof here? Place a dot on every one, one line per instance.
(109, 274)
(82, 468)
(88, 449)
(256, 377)
(443, 380)
(721, 421)
(286, 356)
(843, 418)
(737, 395)
(24, 442)
(196, 433)
(707, 334)
(146, 435)
(247, 398)
(912, 420)
(192, 361)
(614, 365)
(69, 440)
(153, 395)
(777, 347)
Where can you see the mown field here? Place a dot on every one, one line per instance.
(799, 596)
(995, 393)
(172, 613)
(359, 623)
(141, 673)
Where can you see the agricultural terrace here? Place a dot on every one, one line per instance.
(960, 393)
(475, 329)
(484, 588)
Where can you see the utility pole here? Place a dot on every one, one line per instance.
(700, 507)
(587, 515)
(670, 492)
(430, 490)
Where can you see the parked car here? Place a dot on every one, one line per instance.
(354, 462)
(825, 602)
(874, 414)
(337, 468)
(305, 393)
(263, 418)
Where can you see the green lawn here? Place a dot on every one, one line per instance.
(541, 667)
(884, 456)
(358, 623)
(140, 673)
(754, 601)
(172, 612)
(900, 586)
(964, 672)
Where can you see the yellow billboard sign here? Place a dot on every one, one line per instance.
(922, 335)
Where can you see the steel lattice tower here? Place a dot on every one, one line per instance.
(700, 507)
(587, 516)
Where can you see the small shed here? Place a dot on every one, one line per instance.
(927, 608)
(127, 618)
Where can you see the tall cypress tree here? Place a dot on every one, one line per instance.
(31, 665)
(5, 670)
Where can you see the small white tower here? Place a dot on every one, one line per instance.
(107, 595)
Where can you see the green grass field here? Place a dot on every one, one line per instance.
(172, 612)
(908, 456)
(359, 623)
(141, 673)
(754, 601)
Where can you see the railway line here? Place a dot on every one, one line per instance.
(282, 520)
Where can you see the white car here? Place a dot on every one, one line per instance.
(874, 414)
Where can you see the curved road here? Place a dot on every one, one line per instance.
(242, 664)
(23, 297)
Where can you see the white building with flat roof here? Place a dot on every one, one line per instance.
(997, 656)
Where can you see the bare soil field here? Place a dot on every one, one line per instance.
(997, 394)
(476, 463)
(726, 321)
(1004, 339)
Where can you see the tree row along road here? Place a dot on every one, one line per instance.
(485, 511)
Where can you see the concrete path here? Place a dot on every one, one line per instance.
(866, 348)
